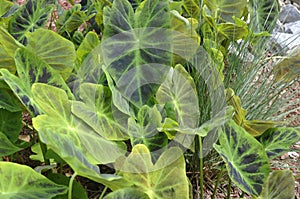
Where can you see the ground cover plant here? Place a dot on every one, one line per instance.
(135, 95)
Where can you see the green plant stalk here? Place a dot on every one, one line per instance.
(44, 150)
(201, 168)
(105, 189)
(218, 182)
(71, 185)
(103, 192)
(229, 189)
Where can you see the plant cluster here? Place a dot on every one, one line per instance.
(137, 86)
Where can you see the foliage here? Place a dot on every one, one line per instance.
(137, 85)
(25, 182)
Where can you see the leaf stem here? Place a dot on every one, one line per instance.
(103, 192)
(229, 189)
(71, 185)
(201, 167)
(218, 182)
(44, 151)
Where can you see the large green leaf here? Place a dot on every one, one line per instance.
(10, 124)
(136, 47)
(245, 158)
(226, 9)
(90, 42)
(22, 90)
(166, 179)
(232, 31)
(6, 146)
(31, 16)
(58, 119)
(8, 46)
(186, 40)
(180, 92)
(70, 138)
(55, 50)
(144, 130)
(19, 181)
(277, 141)
(31, 69)
(263, 14)
(98, 112)
(127, 193)
(280, 185)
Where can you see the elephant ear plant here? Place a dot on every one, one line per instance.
(142, 97)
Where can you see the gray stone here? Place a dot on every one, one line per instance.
(292, 28)
(285, 40)
(279, 27)
(288, 14)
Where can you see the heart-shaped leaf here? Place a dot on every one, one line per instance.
(98, 112)
(21, 89)
(59, 120)
(232, 31)
(186, 40)
(21, 181)
(180, 92)
(31, 16)
(226, 9)
(31, 69)
(144, 130)
(71, 139)
(55, 50)
(165, 179)
(245, 158)
(136, 47)
(280, 185)
(277, 141)
(90, 41)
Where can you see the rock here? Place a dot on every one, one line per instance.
(288, 14)
(286, 40)
(279, 27)
(292, 28)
